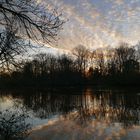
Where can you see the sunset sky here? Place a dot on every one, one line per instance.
(98, 23)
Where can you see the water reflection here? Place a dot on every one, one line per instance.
(82, 107)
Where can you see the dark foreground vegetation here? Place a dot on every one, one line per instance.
(118, 66)
(13, 125)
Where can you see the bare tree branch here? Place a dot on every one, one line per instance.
(32, 20)
(24, 20)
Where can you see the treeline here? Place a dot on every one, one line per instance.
(114, 66)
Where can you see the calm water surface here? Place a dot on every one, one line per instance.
(78, 114)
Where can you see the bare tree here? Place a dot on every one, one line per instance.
(42, 59)
(32, 20)
(10, 47)
(100, 61)
(81, 54)
(123, 55)
(25, 20)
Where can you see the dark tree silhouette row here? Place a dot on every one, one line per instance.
(115, 66)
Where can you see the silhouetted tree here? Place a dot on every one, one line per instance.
(81, 54)
(10, 47)
(30, 18)
(98, 67)
(100, 61)
(42, 63)
(127, 60)
(23, 21)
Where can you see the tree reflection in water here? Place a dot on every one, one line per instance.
(84, 106)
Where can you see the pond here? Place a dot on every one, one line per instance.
(78, 114)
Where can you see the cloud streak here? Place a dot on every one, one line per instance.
(98, 23)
